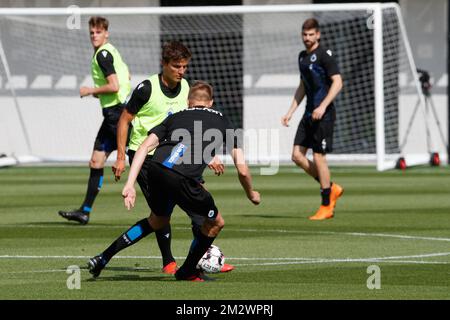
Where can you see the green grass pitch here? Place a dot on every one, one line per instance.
(398, 221)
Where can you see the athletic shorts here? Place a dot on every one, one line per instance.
(106, 139)
(168, 188)
(317, 135)
(142, 178)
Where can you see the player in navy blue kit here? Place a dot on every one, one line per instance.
(320, 82)
(185, 143)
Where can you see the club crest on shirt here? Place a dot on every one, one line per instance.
(313, 58)
(104, 53)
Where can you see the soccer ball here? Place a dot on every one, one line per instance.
(212, 261)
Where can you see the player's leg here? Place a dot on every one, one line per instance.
(134, 234)
(161, 208)
(204, 238)
(104, 144)
(303, 142)
(95, 182)
(197, 222)
(192, 197)
(163, 235)
(300, 159)
(322, 133)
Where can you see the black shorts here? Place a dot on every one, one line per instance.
(106, 139)
(317, 135)
(168, 188)
(142, 178)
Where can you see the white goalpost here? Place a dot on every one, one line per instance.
(248, 53)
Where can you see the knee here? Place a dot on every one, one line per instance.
(213, 228)
(297, 157)
(95, 164)
(158, 222)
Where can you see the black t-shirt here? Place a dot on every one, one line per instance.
(189, 139)
(105, 61)
(316, 69)
(143, 91)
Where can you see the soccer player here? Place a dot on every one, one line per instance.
(174, 177)
(151, 102)
(112, 86)
(321, 82)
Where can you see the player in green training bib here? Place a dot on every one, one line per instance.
(153, 100)
(112, 87)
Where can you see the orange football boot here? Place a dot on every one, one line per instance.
(336, 192)
(324, 212)
(227, 268)
(170, 268)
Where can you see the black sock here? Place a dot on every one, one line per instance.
(325, 196)
(198, 248)
(164, 237)
(140, 230)
(94, 184)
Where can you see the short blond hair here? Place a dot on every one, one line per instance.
(201, 90)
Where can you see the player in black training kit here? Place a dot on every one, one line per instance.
(320, 82)
(151, 102)
(175, 179)
(112, 86)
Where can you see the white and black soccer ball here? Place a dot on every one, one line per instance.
(212, 261)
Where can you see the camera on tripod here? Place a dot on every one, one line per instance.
(424, 78)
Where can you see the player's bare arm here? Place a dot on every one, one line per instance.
(245, 178)
(335, 88)
(111, 87)
(128, 192)
(298, 97)
(122, 133)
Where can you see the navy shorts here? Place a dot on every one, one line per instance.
(106, 139)
(317, 135)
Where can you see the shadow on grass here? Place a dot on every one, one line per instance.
(267, 216)
(71, 223)
(135, 276)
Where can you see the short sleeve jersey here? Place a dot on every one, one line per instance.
(316, 69)
(105, 61)
(189, 139)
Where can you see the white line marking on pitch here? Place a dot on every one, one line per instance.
(358, 234)
(340, 261)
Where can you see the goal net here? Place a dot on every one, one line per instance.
(248, 53)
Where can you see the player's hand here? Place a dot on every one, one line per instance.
(318, 113)
(129, 196)
(118, 168)
(285, 120)
(85, 91)
(255, 197)
(217, 166)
